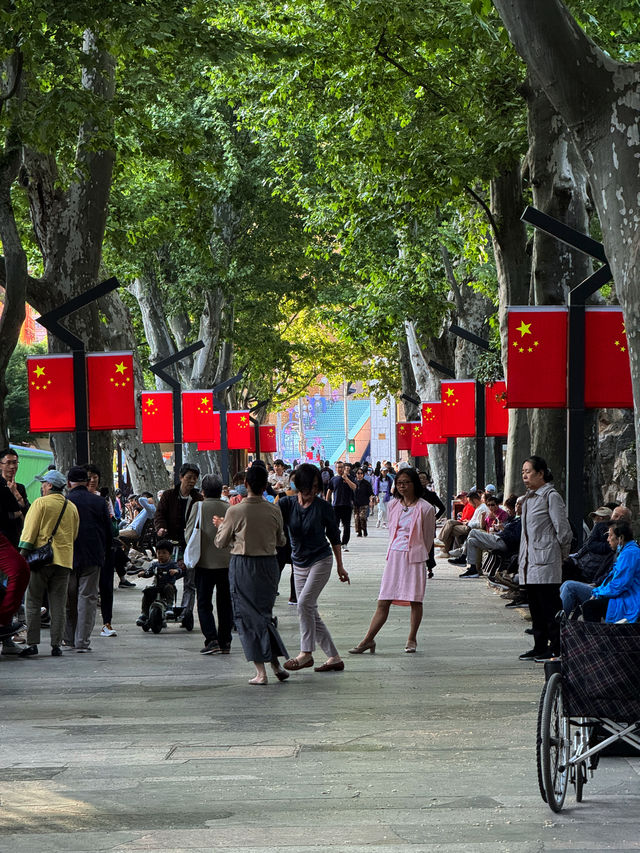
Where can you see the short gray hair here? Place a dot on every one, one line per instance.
(211, 486)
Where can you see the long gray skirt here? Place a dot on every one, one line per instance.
(254, 583)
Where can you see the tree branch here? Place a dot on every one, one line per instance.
(486, 208)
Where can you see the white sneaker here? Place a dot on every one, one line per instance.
(107, 631)
(457, 552)
(439, 543)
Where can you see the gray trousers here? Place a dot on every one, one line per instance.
(82, 605)
(478, 540)
(188, 590)
(53, 580)
(310, 581)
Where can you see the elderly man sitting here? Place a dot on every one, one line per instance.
(574, 593)
(505, 539)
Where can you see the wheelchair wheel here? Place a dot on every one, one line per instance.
(543, 793)
(155, 619)
(555, 744)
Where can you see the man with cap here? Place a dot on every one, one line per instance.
(587, 561)
(591, 561)
(91, 547)
(41, 519)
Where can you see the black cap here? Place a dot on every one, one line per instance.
(77, 474)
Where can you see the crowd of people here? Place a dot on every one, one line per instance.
(60, 555)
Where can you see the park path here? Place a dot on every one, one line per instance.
(145, 745)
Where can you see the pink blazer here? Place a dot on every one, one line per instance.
(422, 532)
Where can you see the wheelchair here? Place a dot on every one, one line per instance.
(590, 701)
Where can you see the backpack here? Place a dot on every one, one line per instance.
(326, 477)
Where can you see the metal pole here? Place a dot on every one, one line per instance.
(80, 404)
(481, 435)
(256, 433)
(346, 422)
(177, 432)
(224, 450)
(451, 471)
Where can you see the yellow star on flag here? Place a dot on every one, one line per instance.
(39, 371)
(524, 329)
(450, 392)
(149, 401)
(120, 368)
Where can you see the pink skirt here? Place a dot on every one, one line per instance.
(402, 581)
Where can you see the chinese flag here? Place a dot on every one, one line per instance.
(432, 423)
(157, 417)
(216, 444)
(111, 392)
(607, 370)
(238, 430)
(496, 414)
(51, 404)
(418, 444)
(537, 357)
(458, 412)
(198, 422)
(268, 443)
(403, 435)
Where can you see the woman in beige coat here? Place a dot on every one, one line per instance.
(545, 543)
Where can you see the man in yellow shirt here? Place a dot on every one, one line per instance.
(38, 527)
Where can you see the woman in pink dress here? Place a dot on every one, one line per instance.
(412, 528)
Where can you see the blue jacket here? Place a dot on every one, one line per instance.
(622, 586)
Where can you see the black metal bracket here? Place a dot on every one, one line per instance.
(582, 242)
(469, 336)
(50, 321)
(440, 368)
(578, 296)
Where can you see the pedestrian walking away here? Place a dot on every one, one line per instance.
(253, 530)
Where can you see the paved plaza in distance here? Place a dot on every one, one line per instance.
(145, 745)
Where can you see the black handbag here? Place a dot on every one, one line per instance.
(40, 557)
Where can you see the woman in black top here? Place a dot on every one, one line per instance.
(311, 522)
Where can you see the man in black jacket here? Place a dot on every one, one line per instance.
(91, 547)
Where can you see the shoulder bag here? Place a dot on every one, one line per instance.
(191, 555)
(40, 557)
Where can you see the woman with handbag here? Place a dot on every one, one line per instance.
(50, 528)
(211, 568)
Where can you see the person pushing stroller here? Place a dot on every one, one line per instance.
(165, 572)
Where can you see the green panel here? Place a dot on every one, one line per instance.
(33, 462)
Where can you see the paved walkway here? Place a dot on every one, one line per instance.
(144, 745)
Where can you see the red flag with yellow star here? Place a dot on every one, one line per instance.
(496, 413)
(403, 435)
(216, 444)
(418, 444)
(198, 421)
(537, 357)
(51, 403)
(157, 417)
(432, 422)
(458, 412)
(111, 390)
(238, 430)
(268, 442)
(607, 369)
